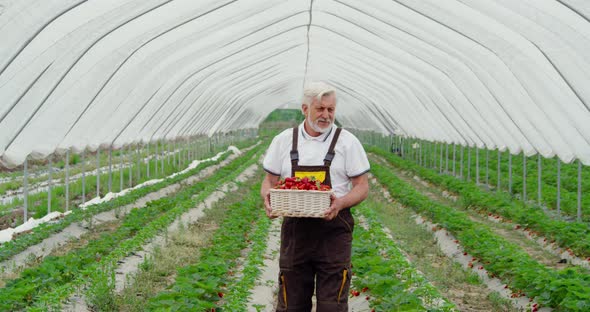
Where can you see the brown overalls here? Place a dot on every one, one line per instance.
(315, 248)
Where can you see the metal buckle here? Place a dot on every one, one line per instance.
(294, 155)
(329, 157)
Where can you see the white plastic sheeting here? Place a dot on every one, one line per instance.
(490, 73)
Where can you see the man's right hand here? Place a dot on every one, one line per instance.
(267, 206)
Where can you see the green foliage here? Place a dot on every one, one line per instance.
(573, 235)
(380, 266)
(207, 280)
(559, 289)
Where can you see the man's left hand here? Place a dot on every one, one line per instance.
(335, 207)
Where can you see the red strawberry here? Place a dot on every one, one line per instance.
(220, 294)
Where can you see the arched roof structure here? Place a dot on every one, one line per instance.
(489, 73)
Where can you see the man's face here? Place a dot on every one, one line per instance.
(320, 114)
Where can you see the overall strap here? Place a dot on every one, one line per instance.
(330, 155)
(294, 152)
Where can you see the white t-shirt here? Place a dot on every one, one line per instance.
(350, 160)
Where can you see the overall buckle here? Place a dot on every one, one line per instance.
(329, 157)
(294, 155)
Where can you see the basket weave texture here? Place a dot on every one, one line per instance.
(299, 203)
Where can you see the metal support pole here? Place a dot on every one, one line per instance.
(447, 158)
(83, 177)
(461, 162)
(468, 163)
(168, 158)
(476, 165)
(67, 180)
(121, 169)
(524, 197)
(157, 159)
(49, 184)
(559, 187)
(579, 214)
(539, 174)
(487, 166)
(148, 160)
(26, 189)
(98, 172)
(110, 169)
(138, 153)
(440, 164)
(499, 171)
(420, 152)
(454, 159)
(402, 146)
(130, 160)
(510, 173)
(162, 153)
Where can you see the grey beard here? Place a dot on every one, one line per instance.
(316, 127)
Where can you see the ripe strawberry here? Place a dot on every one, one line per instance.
(367, 297)
(220, 294)
(364, 289)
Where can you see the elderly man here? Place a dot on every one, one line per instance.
(315, 252)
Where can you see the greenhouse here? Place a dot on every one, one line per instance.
(149, 147)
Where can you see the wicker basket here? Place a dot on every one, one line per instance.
(299, 203)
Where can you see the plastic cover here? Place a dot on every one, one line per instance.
(489, 73)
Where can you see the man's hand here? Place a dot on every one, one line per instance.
(268, 182)
(360, 190)
(267, 206)
(335, 207)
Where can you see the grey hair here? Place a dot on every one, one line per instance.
(316, 90)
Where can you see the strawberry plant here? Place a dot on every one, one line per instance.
(198, 287)
(560, 289)
(574, 235)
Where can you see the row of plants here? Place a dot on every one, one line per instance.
(572, 235)
(381, 268)
(563, 290)
(199, 145)
(39, 172)
(20, 243)
(204, 285)
(60, 275)
(569, 175)
(172, 208)
(38, 202)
